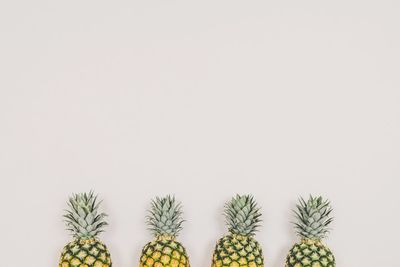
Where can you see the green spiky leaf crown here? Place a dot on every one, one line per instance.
(165, 217)
(313, 218)
(82, 218)
(242, 215)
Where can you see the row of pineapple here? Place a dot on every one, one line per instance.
(238, 248)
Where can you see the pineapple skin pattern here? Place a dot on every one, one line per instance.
(165, 222)
(164, 252)
(239, 248)
(313, 218)
(85, 253)
(85, 222)
(310, 253)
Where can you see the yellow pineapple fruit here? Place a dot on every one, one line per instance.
(85, 223)
(165, 222)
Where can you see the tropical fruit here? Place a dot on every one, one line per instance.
(239, 248)
(165, 222)
(85, 222)
(312, 221)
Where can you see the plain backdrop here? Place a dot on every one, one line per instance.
(201, 99)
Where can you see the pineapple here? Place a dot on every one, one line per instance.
(238, 247)
(165, 222)
(313, 218)
(85, 222)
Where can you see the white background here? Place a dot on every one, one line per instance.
(203, 99)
